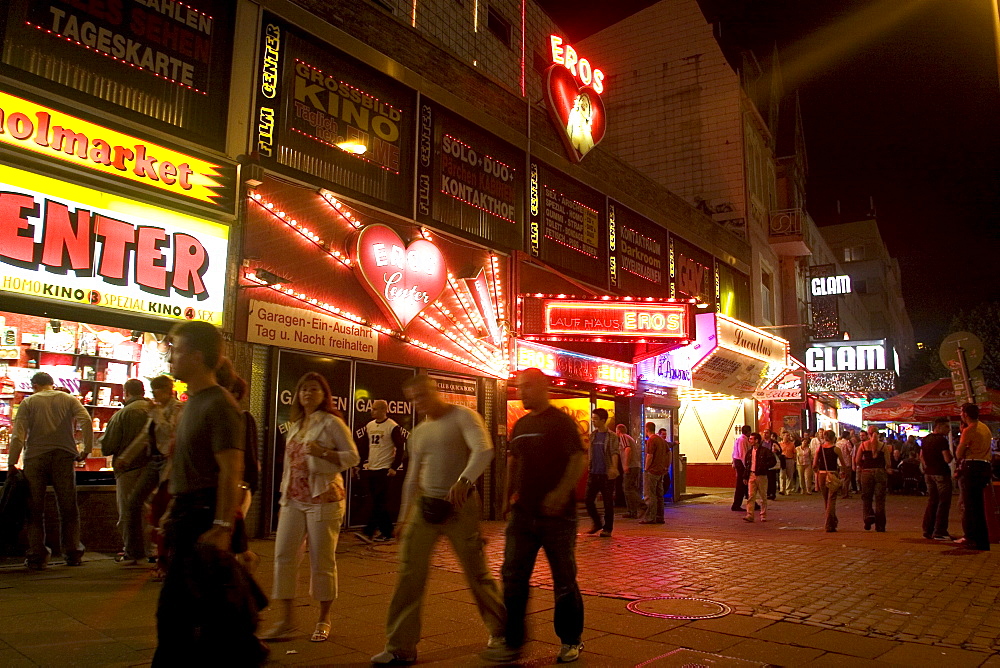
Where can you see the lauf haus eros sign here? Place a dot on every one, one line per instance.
(551, 318)
(851, 367)
(573, 88)
(53, 134)
(467, 179)
(329, 117)
(87, 247)
(573, 366)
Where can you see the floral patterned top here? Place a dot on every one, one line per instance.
(298, 482)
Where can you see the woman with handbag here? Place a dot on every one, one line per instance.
(874, 461)
(318, 446)
(829, 459)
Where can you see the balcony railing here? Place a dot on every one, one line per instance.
(786, 223)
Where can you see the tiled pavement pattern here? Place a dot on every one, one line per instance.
(801, 598)
(894, 585)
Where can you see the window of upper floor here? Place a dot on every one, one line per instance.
(498, 25)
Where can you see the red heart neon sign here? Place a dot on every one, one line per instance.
(577, 111)
(405, 279)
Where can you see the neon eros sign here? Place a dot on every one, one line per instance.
(574, 90)
(405, 279)
(573, 366)
(606, 320)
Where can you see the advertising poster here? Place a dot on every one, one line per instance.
(329, 117)
(291, 366)
(639, 254)
(166, 62)
(458, 390)
(567, 228)
(692, 272)
(467, 179)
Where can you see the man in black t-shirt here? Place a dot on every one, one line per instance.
(207, 613)
(544, 462)
(936, 455)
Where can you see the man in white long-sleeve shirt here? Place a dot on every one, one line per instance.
(449, 450)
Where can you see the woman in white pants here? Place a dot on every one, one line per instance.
(318, 447)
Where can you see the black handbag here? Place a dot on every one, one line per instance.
(435, 511)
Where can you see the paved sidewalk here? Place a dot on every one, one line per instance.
(799, 597)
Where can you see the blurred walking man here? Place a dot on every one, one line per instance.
(205, 614)
(44, 429)
(544, 463)
(449, 450)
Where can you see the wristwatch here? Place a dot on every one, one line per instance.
(223, 523)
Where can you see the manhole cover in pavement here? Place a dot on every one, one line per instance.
(670, 607)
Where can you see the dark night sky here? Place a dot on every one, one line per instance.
(900, 100)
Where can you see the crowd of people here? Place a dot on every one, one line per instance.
(186, 471)
(873, 464)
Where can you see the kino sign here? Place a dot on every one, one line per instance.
(830, 285)
(848, 356)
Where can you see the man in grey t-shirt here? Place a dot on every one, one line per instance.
(44, 429)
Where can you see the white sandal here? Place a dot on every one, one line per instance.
(321, 632)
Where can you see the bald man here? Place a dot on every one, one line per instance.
(381, 443)
(545, 460)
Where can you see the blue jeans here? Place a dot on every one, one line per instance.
(526, 533)
(938, 505)
(652, 502)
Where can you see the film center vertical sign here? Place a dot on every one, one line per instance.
(333, 120)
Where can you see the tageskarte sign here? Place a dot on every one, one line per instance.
(69, 243)
(468, 180)
(54, 134)
(162, 62)
(331, 118)
(639, 254)
(566, 227)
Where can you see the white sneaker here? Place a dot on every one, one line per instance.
(494, 642)
(569, 653)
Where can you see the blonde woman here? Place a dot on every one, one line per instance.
(827, 463)
(318, 447)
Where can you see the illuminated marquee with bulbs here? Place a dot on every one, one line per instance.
(559, 318)
(426, 306)
(574, 88)
(573, 366)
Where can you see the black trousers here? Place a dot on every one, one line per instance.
(741, 484)
(380, 519)
(772, 484)
(207, 611)
(973, 479)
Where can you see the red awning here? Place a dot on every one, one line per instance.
(927, 403)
